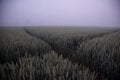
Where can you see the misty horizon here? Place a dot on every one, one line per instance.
(64, 13)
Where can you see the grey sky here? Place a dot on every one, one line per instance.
(61, 13)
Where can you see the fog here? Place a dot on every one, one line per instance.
(99, 13)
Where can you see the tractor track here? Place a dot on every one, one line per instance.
(76, 44)
(53, 47)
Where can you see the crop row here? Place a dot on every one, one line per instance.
(49, 67)
(16, 43)
(101, 54)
